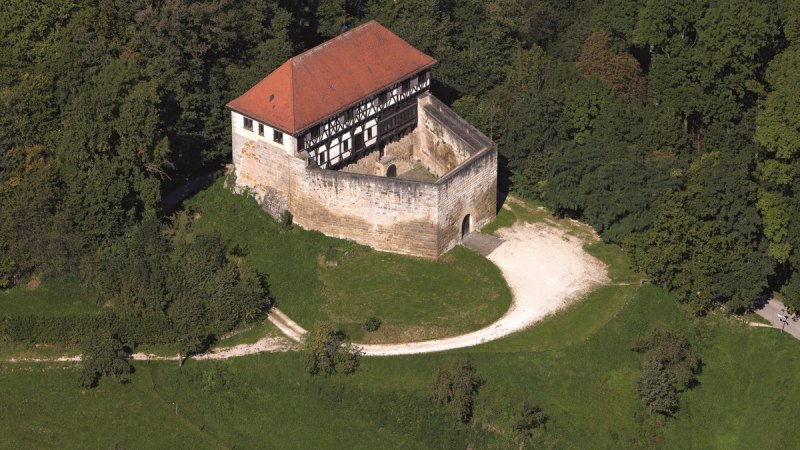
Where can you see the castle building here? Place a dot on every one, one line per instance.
(348, 138)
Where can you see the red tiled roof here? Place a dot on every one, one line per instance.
(331, 77)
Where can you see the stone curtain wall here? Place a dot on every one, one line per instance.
(449, 140)
(469, 189)
(388, 214)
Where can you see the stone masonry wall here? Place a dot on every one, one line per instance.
(388, 214)
(263, 170)
(440, 137)
(470, 189)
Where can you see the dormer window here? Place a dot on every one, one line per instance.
(277, 136)
(248, 124)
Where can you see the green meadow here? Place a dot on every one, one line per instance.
(577, 365)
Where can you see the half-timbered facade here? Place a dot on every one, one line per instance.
(310, 138)
(339, 100)
(373, 122)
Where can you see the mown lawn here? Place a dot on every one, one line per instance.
(576, 365)
(415, 299)
(53, 296)
(313, 277)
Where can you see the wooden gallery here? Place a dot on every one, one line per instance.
(349, 140)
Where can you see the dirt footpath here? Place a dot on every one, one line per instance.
(545, 269)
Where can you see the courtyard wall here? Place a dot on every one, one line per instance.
(388, 214)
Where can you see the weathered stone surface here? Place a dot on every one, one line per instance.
(389, 214)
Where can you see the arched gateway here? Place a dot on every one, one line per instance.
(466, 226)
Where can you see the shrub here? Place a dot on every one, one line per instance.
(329, 351)
(674, 353)
(287, 220)
(103, 355)
(657, 388)
(457, 387)
(529, 417)
(670, 366)
(372, 324)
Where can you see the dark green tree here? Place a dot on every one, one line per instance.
(457, 386)
(778, 131)
(706, 242)
(656, 388)
(102, 355)
(633, 155)
(329, 351)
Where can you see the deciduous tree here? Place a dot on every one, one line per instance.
(329, 351)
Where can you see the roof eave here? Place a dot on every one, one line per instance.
(256, 117)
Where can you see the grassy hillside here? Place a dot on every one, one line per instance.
(577, 365)
(314, 277)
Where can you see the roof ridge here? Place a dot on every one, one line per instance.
(321, 82)
(335, 38)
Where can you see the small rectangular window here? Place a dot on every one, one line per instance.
(369, 133)
(376, 102)
(348, 115)
(405, 87)
(261, 129)
(321, 159)
(345, 146)
(384, 98)
(358, 141)
(248, 124)
(277, 136)
(315, 132)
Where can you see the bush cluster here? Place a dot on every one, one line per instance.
(132, 328)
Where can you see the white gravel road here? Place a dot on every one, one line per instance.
(545, 269)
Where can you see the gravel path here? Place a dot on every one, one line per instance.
(544, 268)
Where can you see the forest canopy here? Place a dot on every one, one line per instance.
(672, 127)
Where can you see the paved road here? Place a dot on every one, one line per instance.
(770, 312)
